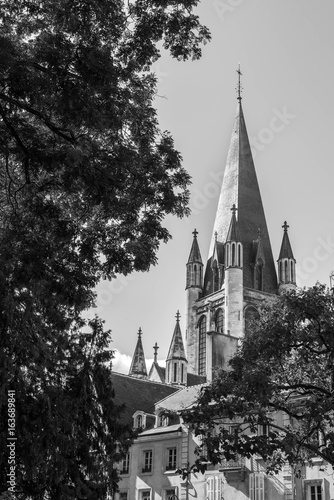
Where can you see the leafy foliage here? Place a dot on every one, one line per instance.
(86, 179)
(277, 398)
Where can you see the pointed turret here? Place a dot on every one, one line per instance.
(194, 265)
(194, 287)
(233, 279)
(286, 263)
(240, 187)
(138, 365)
(176, 362)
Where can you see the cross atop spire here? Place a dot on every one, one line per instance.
(195, 233)
(178, 315)
(140, 332)
(155, 348)
(285, 226)
(239, 87)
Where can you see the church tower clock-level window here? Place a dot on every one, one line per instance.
(202, 347)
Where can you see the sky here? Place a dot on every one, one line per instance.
(285, 49)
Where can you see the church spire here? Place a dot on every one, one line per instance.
(240, 188)
(138, 365)
(176, 362)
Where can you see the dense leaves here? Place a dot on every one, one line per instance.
(86, 179)
(277, 399)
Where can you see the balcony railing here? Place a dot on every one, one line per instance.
(239, 463)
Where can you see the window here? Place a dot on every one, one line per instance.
(214, 487)
(163, 420)
(251, 314)
(239, 255)
(202, 347)
(182, 374)
(171, 459)
(123, 495)
(126, 464)
(256, 486)
(220, 321)
(258, 285)
(145, 495)
(175, 372)
(314, 490)
(147, 461)
(170, 494)
(139, 421)
(263, 430)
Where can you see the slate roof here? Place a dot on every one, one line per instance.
(162, 430)
(182, 399)
(138, 394)
(240, 187)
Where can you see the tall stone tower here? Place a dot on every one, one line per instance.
(240, 270)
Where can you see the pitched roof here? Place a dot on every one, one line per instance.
(157, 372)
(161, 430)
(176, 349)
(240, 187)
(138, 364)
(138, 394)
(182, 399)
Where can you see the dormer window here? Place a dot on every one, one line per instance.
(139, 420)
(163, 420)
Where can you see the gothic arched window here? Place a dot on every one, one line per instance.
(202, 347)
(258, 278)
(251, 314)
(215, 272)
(220, 321)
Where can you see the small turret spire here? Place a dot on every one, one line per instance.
(233, 232)
(138, 365)
(286, 263)
(176, 362)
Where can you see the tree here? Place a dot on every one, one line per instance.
(280, 383)
(86, 180)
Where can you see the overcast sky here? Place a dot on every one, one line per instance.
(286, 53)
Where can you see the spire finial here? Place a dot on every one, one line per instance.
(140, 333)
(234, 209)
(216, 235)
(178, 316)
(195, 233)
(259, 233)
(155, 348)
(285, 226)
(239, 87)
